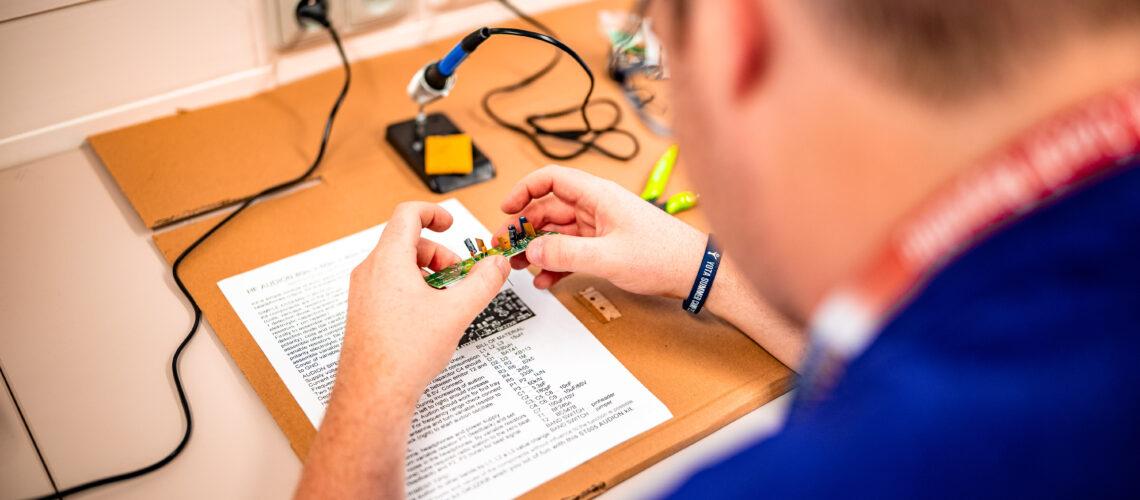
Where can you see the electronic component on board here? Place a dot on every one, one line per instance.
(470, 247)
(513, 234)
(452, 274)
(527, 227)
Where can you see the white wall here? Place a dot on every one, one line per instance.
(75, 69)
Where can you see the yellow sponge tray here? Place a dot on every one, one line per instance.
(448, 154)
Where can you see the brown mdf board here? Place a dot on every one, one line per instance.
(178, 166)
(705, 371)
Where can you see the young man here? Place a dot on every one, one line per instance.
(941, 192)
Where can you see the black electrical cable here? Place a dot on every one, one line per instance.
(194, 304)
(28, 431)
(586, 139)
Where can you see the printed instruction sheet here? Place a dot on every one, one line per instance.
(528, 395)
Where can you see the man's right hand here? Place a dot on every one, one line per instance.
(604, 230)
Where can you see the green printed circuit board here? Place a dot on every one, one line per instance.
(455, 273)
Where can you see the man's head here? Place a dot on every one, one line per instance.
(815, 124)
(945, 51)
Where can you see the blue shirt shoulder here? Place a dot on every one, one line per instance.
(1014, 372)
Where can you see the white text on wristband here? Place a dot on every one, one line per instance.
(709, 264)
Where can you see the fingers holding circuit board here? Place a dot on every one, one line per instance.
(513, 242)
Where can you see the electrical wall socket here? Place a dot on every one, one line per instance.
(347, 16)
(451, 4)
(288, 34)
(371, 13)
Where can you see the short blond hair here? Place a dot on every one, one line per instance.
(947, 48)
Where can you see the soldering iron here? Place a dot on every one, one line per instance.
(437, 78)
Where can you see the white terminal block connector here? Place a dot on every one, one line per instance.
(422, 93)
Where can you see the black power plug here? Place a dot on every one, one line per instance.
(313, 10)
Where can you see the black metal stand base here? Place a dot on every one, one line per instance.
(409, 143)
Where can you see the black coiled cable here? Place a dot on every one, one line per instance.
(584, 139)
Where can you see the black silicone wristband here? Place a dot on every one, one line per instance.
(705, 276)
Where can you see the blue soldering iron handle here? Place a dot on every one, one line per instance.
(450, 62)
(436, 78)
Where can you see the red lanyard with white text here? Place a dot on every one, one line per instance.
(1041, 165)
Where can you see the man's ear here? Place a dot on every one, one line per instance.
(748, 44)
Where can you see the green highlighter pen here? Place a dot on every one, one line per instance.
(680, 202)
(659, 178)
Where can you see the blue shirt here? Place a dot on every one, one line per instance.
(1015, 372)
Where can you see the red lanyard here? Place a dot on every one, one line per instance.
(1042, 164)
